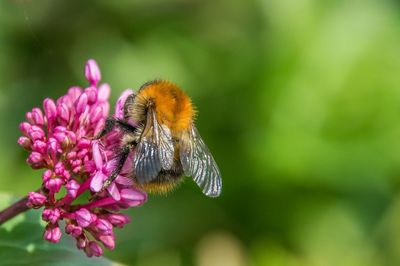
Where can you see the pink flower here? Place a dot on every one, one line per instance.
(36, 200)
(108, 241)
(52, 234)
(93, 249)
(118, 220)
(74, 230)
(83, 217)
(51, 215)
(59, 140)
(72, 188)
(103, 226)
(92, 72)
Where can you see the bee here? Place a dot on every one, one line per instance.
(165, 142)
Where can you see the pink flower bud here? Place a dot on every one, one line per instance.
(71, 137)
(76, 163)
(36, 133)
(96, 114)
(83, 217)
(28, 117)
(40, 146)
(94, 217)
(99, 126)
(52, 147)
(52, 234)
(108, 241)
(35, 200)
(104, 92)
(36, 160)
(82, 153)
(25, 143)
(77, 169)
(60, 129)
(51, 215)
(37, 116)
(119, 107)
(93, 249)
(118, 220)
(73, 230)
(81, 103)
(47, 175)
(50, 109)
(71, 155)
(61, 138)
(92, 95)
(74, 93)
(54, 184)
(66, 174)
(59, 168)
(106, 109)
(82, 242)
(72, 188)
(63, 112)
(103, 226)
(133, 197)
(84, 144)
(25, 127)
(92, 72)
(90, 166)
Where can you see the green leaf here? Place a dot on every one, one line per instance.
(21, 243)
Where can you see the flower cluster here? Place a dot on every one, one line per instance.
(60, 140)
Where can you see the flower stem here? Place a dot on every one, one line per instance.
(15, 209)
(98, 203)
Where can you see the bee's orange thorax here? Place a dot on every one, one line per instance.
(173, 107)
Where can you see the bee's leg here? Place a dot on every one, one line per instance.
(111, 122)
(126, 127)
(109, 125)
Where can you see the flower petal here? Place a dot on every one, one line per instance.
(122, 180)
(97, 181)
(119, 107)
(114, 192)
(97, 155)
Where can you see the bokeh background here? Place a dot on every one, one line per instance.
(299, 101)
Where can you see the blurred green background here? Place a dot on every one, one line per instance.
(299, 101)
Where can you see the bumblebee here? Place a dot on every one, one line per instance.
(164, 140)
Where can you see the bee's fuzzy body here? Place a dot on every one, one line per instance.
(158, 126)
(174, 110)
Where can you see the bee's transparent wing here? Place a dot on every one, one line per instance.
(165, 145)
(155, 150)
(198, 163)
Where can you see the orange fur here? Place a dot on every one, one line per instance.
(173, 107)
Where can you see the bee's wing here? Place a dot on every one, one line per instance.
(155, 150)
(198, 162)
